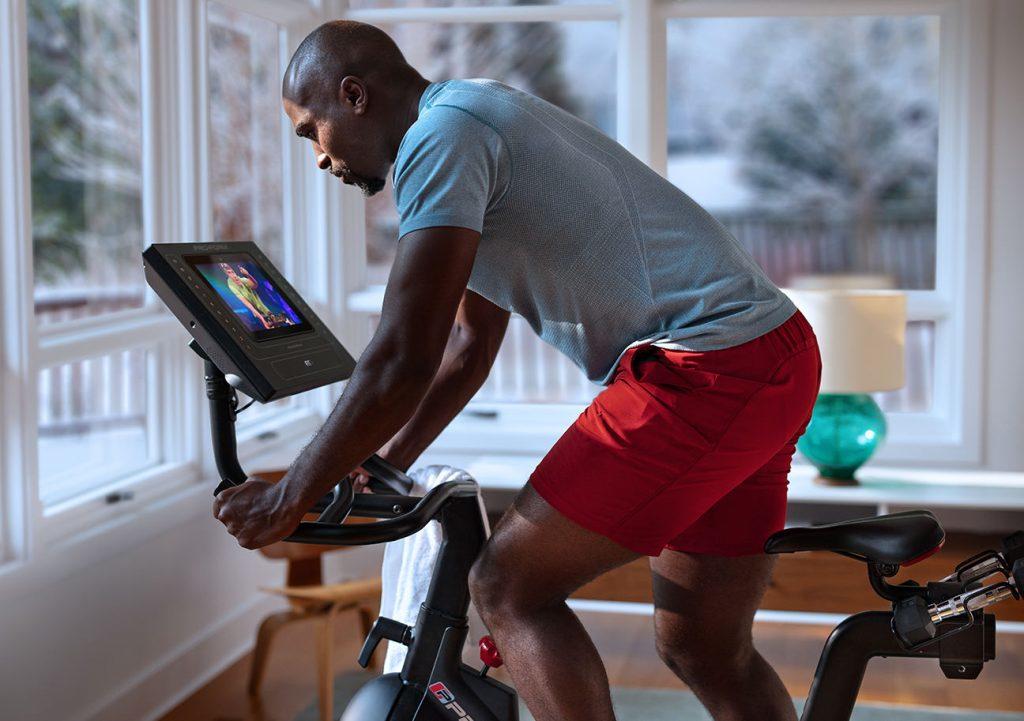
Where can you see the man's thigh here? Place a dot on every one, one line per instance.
(705, 601)
(544, 555)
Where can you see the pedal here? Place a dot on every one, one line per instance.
(384, 628)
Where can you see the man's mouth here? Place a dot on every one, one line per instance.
(369, 187)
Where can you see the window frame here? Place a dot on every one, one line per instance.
(950, 431)
(175, 205)
(329, 264)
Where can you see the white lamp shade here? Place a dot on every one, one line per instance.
(860, 334)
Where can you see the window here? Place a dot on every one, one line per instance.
(245, 140)
(101, 392)
(87, 232)
(85, 129)
(869, 192)
(814, 140)
(246, 156)
(93, 424)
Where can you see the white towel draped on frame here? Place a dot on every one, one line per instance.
(408, 564)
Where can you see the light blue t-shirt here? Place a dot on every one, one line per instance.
(596, 251)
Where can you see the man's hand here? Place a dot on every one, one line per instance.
(255, 513)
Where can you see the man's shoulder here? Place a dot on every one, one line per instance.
(458, 105)
(456, 115)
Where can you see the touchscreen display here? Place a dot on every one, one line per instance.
(249, 294)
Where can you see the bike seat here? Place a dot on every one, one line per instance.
(901, 538)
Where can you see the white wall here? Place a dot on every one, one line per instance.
(122, 639)
(1004, 428)
(125, 639)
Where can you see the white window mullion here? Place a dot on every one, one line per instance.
(160, 160)
(193, 181)
(962, 232)
(19, 505)
(642, 83)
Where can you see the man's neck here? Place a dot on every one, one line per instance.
(407, 109)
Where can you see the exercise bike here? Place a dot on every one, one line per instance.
(240, 353)
(945, 619)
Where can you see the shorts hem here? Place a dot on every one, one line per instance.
(566, 508)
(726, 553)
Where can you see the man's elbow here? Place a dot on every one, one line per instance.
(473, 357)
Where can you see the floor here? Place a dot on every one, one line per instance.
(805, 582)
(626, 644)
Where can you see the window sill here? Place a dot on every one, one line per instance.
(81, 533)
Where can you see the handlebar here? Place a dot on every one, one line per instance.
(409, 520)
(959, 599)
(391, 485)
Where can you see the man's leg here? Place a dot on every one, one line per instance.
(533, 561)
(704, 611)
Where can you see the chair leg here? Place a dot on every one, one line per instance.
(325, 665)
(268, 629)
(366, 617)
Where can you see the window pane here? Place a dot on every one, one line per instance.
(92, 424)
(814, 140)
(246, 158)
(916, 395)
(85, 134)
(568, 64)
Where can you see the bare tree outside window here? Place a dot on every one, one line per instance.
(813, 139)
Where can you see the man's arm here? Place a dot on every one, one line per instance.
(472, 347)
(391, 379)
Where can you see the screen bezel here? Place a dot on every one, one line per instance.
(194, 261)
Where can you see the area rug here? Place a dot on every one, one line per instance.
(655, 704)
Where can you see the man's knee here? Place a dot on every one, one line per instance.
(484, 586)
(499, 587)
(700, 658)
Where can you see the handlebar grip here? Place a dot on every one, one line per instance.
(341, 506)
(391, 479)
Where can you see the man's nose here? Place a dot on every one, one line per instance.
(323, 160)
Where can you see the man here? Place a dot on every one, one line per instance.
(508, 204)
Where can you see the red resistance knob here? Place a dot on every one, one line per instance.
(489, 653)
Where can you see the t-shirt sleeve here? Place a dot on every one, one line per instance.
(450, 169)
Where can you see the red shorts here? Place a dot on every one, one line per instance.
(689, 450)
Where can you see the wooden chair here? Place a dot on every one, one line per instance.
(310, 599)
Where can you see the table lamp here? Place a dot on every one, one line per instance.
(861, 337)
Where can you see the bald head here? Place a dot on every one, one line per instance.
(350, 92)
(338, 49)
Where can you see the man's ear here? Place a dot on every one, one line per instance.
(353, 92)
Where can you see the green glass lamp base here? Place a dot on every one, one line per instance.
(844, 432)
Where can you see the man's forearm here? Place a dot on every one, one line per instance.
(463, 370)
(380, 397)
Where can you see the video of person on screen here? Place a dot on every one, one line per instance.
(250, 294)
